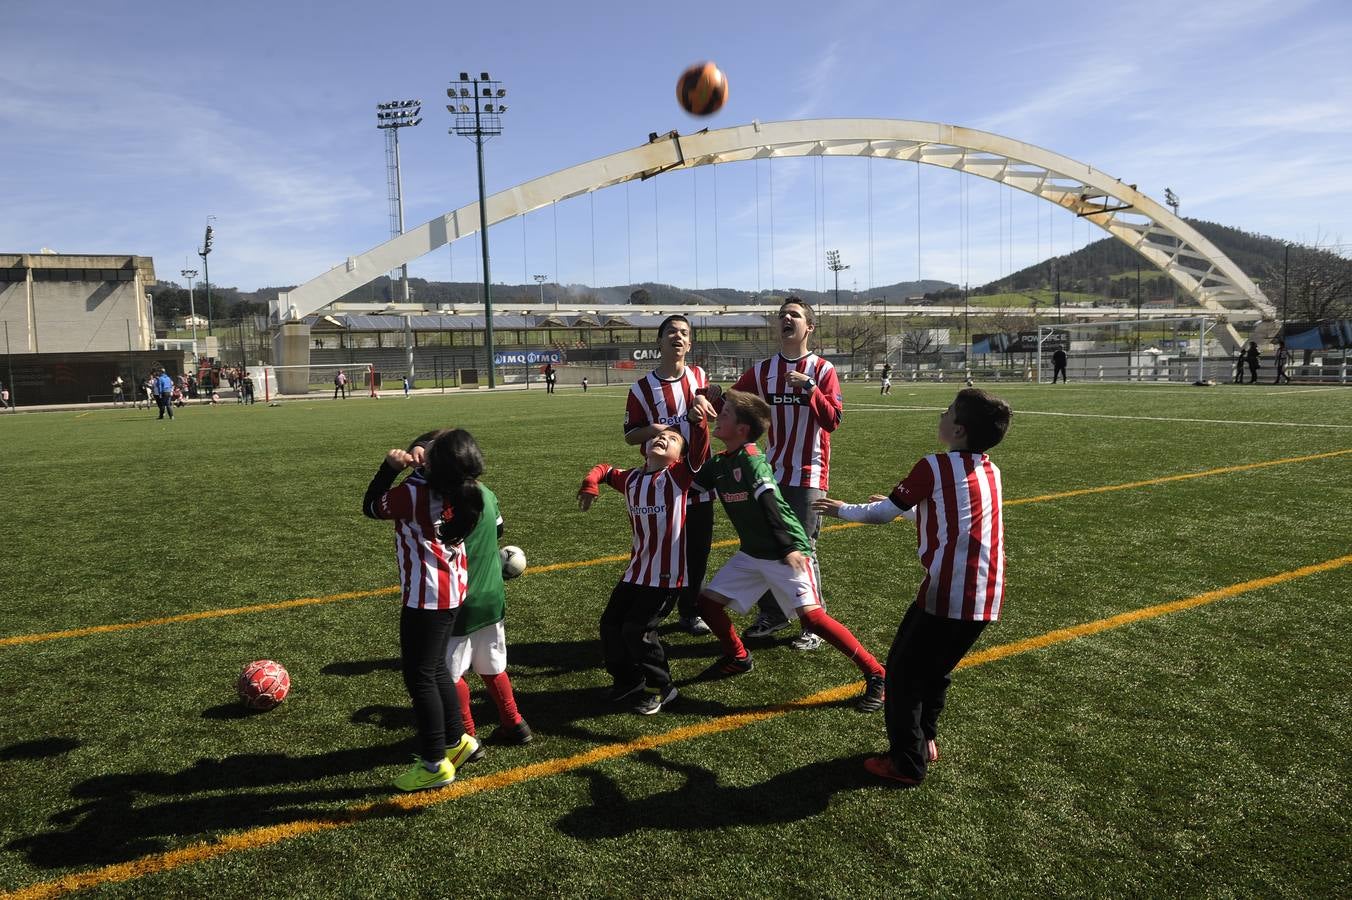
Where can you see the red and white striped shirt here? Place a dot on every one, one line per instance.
(960, 529)
(657, 400)
(432, 575)
(801, 419)
(656, 504)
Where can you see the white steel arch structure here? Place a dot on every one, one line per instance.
(1163, 239)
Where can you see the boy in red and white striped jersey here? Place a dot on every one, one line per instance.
(655, 495)
(806, 406)
(658, 401)
(955, 500)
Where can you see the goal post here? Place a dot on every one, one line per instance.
(351, 379)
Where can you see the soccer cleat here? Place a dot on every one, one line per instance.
(883, 767)
(419, 778)
(462, 752)
(514, 735)
(651, 703)
(732, 666)
(764, 626)
(806, 641)
(932, 751)
(620, 691)
(874, 692)
(695, 625)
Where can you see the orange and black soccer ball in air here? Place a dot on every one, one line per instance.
(702, 89)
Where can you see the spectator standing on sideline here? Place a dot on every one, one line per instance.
(1252, 356)
(550, 378)
(5, 401)
(584, 384)
(1059, 365)
(248, 388)
(118, 397)
(804, 396)
(164, 393)
(407, 386)
(340, 384)
(1239, 366)
(1282, 358)
(148, 390)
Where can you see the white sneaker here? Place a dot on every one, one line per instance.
(806, 641)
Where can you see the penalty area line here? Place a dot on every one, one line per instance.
(622, 557)
(403, 804)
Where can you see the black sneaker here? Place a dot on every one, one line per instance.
(729, 666)
(513, 735)
(874, 691)
(620, 691)
(652, 703)
(764, 626)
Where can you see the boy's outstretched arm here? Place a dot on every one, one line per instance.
(591, 485)
(878, 512)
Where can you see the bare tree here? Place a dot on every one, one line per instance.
(915, 342)
(1318, 284)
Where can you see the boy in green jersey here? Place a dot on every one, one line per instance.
(774, 553)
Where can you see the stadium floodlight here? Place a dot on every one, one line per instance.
(206, 266)
(390, 117)
(835, 265)
(188, 276)
(479, 124)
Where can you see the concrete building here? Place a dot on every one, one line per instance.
(69, 303)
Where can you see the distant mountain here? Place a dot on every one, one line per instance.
(1096, 268)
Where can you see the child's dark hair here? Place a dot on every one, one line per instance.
(799, 301)
(675, 317)
(984, 416)
(751, 411)
(454, 464)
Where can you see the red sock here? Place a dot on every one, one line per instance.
(716, 617)
(838, 636)
(462, 691)
(500, 689)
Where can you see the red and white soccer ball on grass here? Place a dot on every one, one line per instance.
(263, 684)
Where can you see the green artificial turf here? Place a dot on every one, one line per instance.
(1201, 752)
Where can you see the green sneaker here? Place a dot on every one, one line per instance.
(464, 751)
(418, 778)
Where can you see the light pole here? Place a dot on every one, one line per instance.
(482, 120)
(390, 117)
(206, 267)
(189, 275)
(834, 264)
(1171, 201)
(540, 280)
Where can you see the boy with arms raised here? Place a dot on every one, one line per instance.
(655, 495)
(660, 401)
(955, 500)
(775, 553)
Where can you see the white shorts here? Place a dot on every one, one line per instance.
(743, 579)
(484, 650)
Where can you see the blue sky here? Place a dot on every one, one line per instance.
(124, 124)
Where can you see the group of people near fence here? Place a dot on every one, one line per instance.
(447, 527)
(1250, 357)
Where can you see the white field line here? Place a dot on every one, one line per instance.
(1336, 387)
(1035, 412)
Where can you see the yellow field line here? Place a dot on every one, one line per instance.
(255, 838)
(602, 560)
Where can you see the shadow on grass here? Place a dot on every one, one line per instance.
(121, 820)
(702, 803)
(39, 749)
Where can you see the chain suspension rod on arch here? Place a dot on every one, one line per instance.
(1165, 240)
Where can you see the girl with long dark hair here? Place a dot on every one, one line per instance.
(432, 514)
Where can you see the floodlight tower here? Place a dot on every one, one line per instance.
(206, 267)
(188, 276)
(390, 117)
(834, 264)
(477, 106)
(540, 280)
